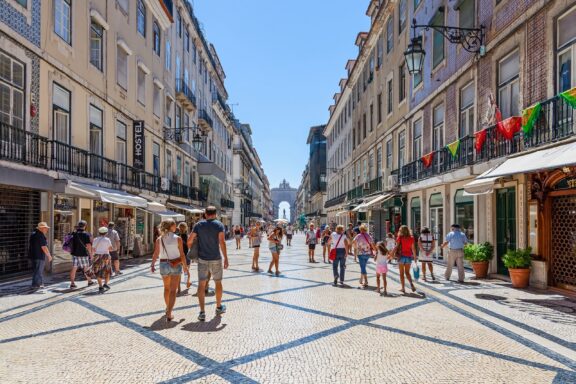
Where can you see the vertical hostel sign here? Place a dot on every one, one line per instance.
(139, 145)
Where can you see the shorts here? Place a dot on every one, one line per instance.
(114, 255)
(214, 267)
(166, 269)
(381, 268)
(256, 246)
(238, 236)
(405, 260)
(289, 237)
(311, 247)
(81, 262)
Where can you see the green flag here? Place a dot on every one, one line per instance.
(453, 148)
(570, 97)
(529, 117)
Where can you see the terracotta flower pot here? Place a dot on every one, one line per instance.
(480, 269)
(520, 277)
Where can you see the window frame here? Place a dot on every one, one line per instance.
(438, 37)
(121, 140)
(465, 110)
(156, 39)
(508, 84)
(99, 34)
(66, 39)
(60, 109)
(95, 127)
(417, 140)
(390, 34)
(120, 50)
(438, 128)
(141, 16)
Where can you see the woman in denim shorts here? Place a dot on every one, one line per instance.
(169, 249)
(275, 245)
(406, 253)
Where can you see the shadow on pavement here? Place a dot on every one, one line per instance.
(162, 324)
(210, 326)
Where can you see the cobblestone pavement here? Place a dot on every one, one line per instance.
(295, 328)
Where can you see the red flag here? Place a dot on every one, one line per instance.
(427, 159)
(480, 139)
(497, 114)
(510, 126)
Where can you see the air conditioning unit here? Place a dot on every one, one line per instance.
(164, 184)
(392, 182)
(366, 186)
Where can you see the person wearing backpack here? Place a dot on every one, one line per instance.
(81, 251)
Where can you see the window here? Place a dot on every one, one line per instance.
(390, 93)
(379, 99)
(187, 40)
(156, 159)
(177, 72)
(464, 213)
(168, 57)
(11, 91)
(23, 3)
(566, 49)
(123, 5)
(156, 101)
(401, 149)
(389, 35)
(466, 13)
(467, 110)
(402, 85)
(371, 117)
(96, 142)
(364, 126)
(168, 165)
(389, 154)
(156, 38)
(438, 128)
(415, 215)
(60, 114)
(437, 40)
(96, 45)
(401, 16)
(379, 162)
(122, 67)
(379, 51)
(63, 19)
(371, 77)
(141, 18)
(179, 168)
(121, 149)
(509, 85)
(417, 139)
(417, 3)
(141, 86)
(179, 23)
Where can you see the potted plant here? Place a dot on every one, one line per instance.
(479, 255)
(518, 263)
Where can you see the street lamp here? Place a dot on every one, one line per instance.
(471, 39)
(197, 142)
(176, 134)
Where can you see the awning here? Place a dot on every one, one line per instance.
(187, 208)
(167, 214)
(106, 195)
(370, 203)
(480, 185)
(154, 206)
(555, 157)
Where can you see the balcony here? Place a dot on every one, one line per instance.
(185, 95)
(555, 123)
(205, 120)
(19, 146)
(373, 186)
(186, 191)
(225, 203)
(335, 201)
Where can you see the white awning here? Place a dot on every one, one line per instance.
(167, 214)
(106, 195)
(543, 159)
(480, 185)
(187, 208)
(378, 199)
(154, 206)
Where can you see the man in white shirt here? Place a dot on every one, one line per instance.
(289, 233)
(115, 240)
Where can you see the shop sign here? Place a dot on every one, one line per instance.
(64, 204)
(139, 144)
(567, 183)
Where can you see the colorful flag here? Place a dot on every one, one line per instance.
(570, 97)
(529, 117)
(480, 137)
(509, 127)
(453, 148)
(427, 159)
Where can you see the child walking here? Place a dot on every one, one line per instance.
(381, 259)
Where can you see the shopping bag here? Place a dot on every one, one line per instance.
(415, 270)
(332, 255)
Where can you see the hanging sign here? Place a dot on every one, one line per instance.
(139, 145)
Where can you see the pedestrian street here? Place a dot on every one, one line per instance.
(294, 328)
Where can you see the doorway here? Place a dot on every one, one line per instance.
(505, 225)
(563, 266)
(437, 223)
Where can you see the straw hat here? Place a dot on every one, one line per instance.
(103, 230)
(42, 224)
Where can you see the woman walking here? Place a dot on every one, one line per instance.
(101, 265)
(365, 246)
(169, 249)
(256, 236)
(426, 245)
(326, 235)
(406, 253)
(237, 236)
(341, 245)
(275, 246)
(183, 233)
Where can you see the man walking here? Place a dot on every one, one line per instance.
(81, 251)
(456, 240)
(211, 241)
(39, 254)
(311, 241)
(114, 254)
(289, 233)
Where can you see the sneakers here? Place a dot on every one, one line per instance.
(335, 281)
(72, 285)
(101, 290)
(119, 273)
(91, 282)
(221, 310)
(106, 287)
(202, 316)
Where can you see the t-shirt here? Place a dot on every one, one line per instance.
(390, 244)
(80, 240)
(456, 239)
(289, 231)
(406, 245)
(208, 232)
(363, 242)
(311, 236)
(184, 237)
(101, 245)
(114, 238)
(37, 241)
(336, 238)
(381, 259)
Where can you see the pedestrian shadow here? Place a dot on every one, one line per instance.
(213, 325)
(415, 295)
(344, 286)
(209, 294)
(161, 324)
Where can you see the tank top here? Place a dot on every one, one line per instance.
(426, 239)
(169, 250)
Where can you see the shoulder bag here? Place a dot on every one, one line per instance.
(193, 253)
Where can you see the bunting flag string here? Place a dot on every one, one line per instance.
(480, 137)
(529, 117)
(570, 97)
(453, 148)
(427, 159)
(509, 127)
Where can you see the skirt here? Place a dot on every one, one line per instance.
(426, 258)
(101, 266)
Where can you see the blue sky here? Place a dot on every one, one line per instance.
(283, 61)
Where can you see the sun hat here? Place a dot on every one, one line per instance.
(42, 224)
(103, 230)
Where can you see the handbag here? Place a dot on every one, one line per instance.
(415, 270)
(173, 262)
(193, 254)
(332, 255)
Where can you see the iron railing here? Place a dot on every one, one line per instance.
(203, 116)
(183, 88)
(20, 146)
(225, 203)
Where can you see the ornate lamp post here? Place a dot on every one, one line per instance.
(198, 136)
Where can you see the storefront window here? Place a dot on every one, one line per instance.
(415, 216)
(533, 228)
(126, 227)
(437, 221)
(65, 212)
(464, 213)
(100, 215)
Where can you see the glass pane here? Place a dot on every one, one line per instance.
(5, 102)
(6, 68)
(459, 197)
(467, 96)
(61, 126)
(466, 14)
(508, 68)
(61, 97)
(121, 130)
(565, 70)
(439, 115)
(437, 40)
(95, 116)
(417, 129)
(515, 99)
(436, 200)
(17, 108)
(567, 28)
(415, 203)
(18, 74)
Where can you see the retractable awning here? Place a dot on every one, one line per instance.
(543, 159)
(168, 214)
(480, 185)
(187, 208)
(106, 195)
(370, 203)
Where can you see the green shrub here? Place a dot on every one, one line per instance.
(517, 259)
(478, 252)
